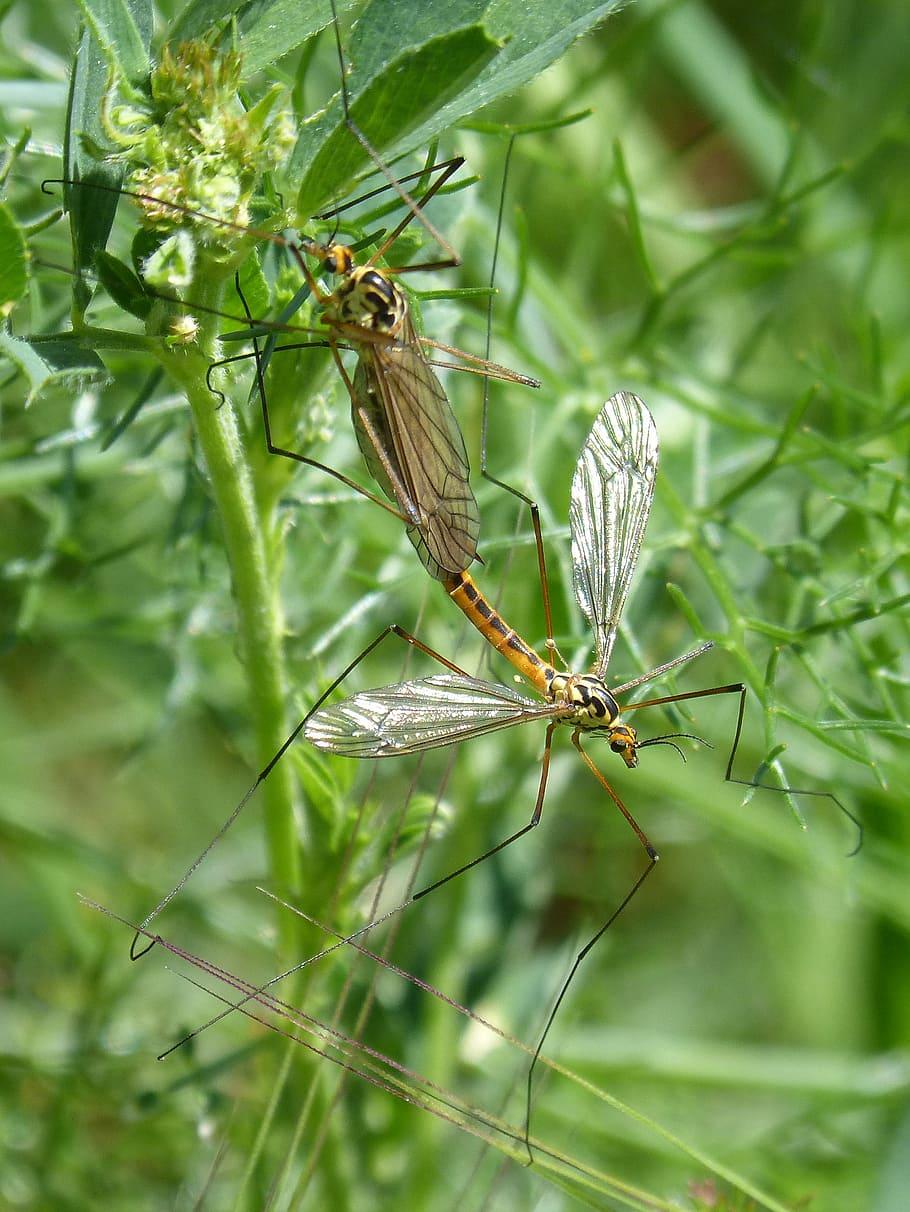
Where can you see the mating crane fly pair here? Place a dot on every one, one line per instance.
(413, 447)
(414, 450)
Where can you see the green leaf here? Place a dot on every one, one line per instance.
(53, 366)
(532, 36)
(402, 97)
(121, 29)
(535, 35)
(267, 33)
(91, 210)
(122, 285)
(13, 262)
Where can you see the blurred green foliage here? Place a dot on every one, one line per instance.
(725, 236)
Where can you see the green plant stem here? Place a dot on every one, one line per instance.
(260, 617)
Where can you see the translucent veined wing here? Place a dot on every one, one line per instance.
(426, 713)
(409, 415)
(611, 499)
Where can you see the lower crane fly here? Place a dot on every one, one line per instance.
(612, 490)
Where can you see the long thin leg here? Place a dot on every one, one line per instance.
(483, 366)
(447, 166)
(247, 357)
(485, 415)
(592, 942)
(364, 424)
(660, 670)
(391, 629)
(374, 155)
(653, 857)
(414, 212)
(445, 169)
(176, 207)
(633, 824)
(740, 689)
(384, 917)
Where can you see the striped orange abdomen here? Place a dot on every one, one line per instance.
(463, 591)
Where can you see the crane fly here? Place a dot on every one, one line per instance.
(402, 418)
(611, 496)
(407, 433)
(404, 424)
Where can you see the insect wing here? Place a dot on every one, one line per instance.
(611, 499)
(421, 443)
(426, 713)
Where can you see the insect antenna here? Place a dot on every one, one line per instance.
(669, 739)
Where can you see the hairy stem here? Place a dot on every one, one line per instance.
(246, 525)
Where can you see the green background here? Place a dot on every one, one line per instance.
(725, 235)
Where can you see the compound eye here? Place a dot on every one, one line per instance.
(331, 264)
(618, 746)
